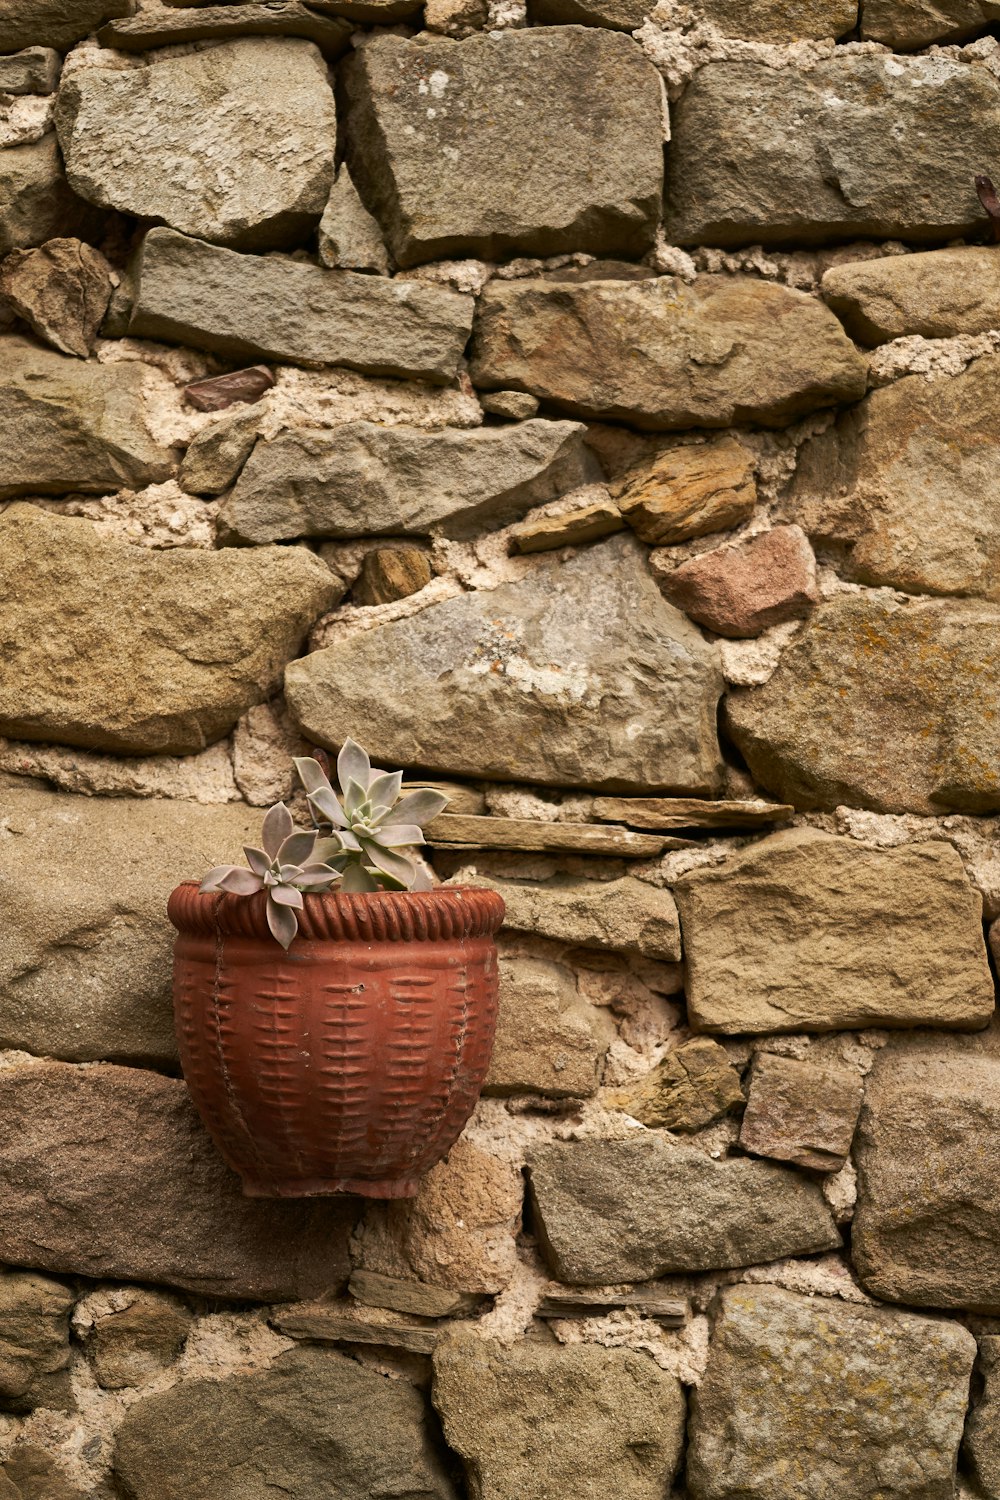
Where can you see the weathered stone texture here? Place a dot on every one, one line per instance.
(349, 238)
(218, 452)
(53, 23)
(186, 140)
(247, 306)
(615, 15)
(692, 1086)
(186, 655)
(161, 26)
(688, 492)
(363, 479)
(135, 1343)
(812, 1396)
(62, 291)
(740, 591)
(938, 294)
(521, 141)
(664, 355)
(34, 1342)
(777, 21)
(581, 1421)
(880, 705)
(503, 683)
(905, 25)
(390, 573)
(35, 70)
(806, 931)
(624, 914)
(547, 1038)
(628, 1210)
(801, 1112)
(107, 1172)
(982, 1431)
(36, 202)
(313, 1424)
(571, 529)
(854, 147)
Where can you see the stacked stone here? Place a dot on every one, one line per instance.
(592, 408)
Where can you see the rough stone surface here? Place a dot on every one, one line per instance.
(810, 1395)
(107, 1172)
(880, 705)
(217, 392)
(218, 452)
(547, 1038)
(390, 573)
(349, 238)
(801, 1112)
(741, 591)
(461, 831)
(661, 354)
(688, 492)
(982, 1431)
(777, 21)
(408, 1296)
(571, 529)
(938, 294)
(35, 70)
(905, 25)
(807, 931)
(160, 26)
(535, 142)
(36, 202)
(177, 671)
(250, 306)
(926, 1225)
(184, 139)
(61, 290)
(516, 406)
(132, 1345)
(501, 683)
(85, 948)
(615, 15)
(313, 1424)
(53, 23)
(689, 812)
(623, 914)
(34, 1342)
(902, 486)
(363, 479)
(692, 1086)
(592, 1421)
(629, 1210)
(855, 147)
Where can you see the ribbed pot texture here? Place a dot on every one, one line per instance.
(351, 1063)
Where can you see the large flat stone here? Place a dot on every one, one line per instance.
(903, 485)
(53, 23)
(363, 479)
(594, 1422)
(905, 25)
(663, 355)
(85, 949)
(531, 142)
(548, 1038)
(806, 931)
(68, 425)
(855, 147)
(164, 26)
(115, 647)
(36, 201)
(107, 1172)
(927, 1225)
(626, 914)
(880, 705)
(185, 140)
(247, 306)
(503, 684)
(813, 1396)
(628, 1210)
(937, 294)
(314, 1425)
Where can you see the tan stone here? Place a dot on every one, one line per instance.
(688, 812)
(981, 1447)
(36, 202)
(626, 915)
(938, 294)
(390, 573)
(548, 1038)
(162, 26)
(460, 831)
(688, 492)
(801, 1112)
(572, 529)
(741, 591)
(135, 1343)
(218, 452)
(905, 25)
(806, 931)
(777, 20)
(349, 238)
(457, 18)
(34, 1342)
(692, 1086)
(34, 70)
(516, 406)
(61, 290)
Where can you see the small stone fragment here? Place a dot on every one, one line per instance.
(348, 235)
(391, 573)
(906, 25)
(162, 26)
(740, 591)
(688, 812)
(547, 1037)
(35, 70)
(61, 290)
(938, 294)
(368, 12)
(594, 1422)
(530, 835)
(130, 1346)
(517, 406)
(693, 1085)
(615, 15)
(573, 528)
(982, 1430)
(416, 1297)
(650, 1301)
(318, 1323)
(53, 23)
(455, 18)
(688, 492)
(626, 915)
(801, 1112)
(36, 202)
(34, 1342)
(217, 454)
(219, 391)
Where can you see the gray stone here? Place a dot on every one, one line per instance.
(61, 290)
(777, 21)
(53, 23)
(626, 914)
(251, 305)
(982, 1431)
(34, 1342)
(348, 235)
(548, 1038)
(801, 1112)
(880, 705)
(370, 12)
(870, 147)
(406, 1296)
(502, 684)
(217, 454)
(806, 931)
(742, 591)
(85, 948)
(531, 142)
(364, 479)
(689, 812)
(72, 426)
(36, 202)
(320, 1323)
(163, 26)
(905, 25)
(628, 1210)
(135, 1343)
(391, 573)
(33, 71)
(314, 1425)
(664, 355)
(938, 294)
(813, 1396)
(184, 139)
(107, 1172)
(691, 1087)
(536, 1419)
(186, 654)
(458, 831)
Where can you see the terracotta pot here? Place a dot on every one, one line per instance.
(350, 1063)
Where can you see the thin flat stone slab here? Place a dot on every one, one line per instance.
(905, 25)
(184, 140)
(459, 831)
(572, 529)
(419, 1297)
(251, 306)
(663, 355)
(502, 684)
(938, 294)
(689, 812)
(807, 931)
(107, 1172)
(165, 26)
(364, 479)
(512, 142)
(53, 23)
(217, 392)
(574, 1302)
(626, 914)
(609, 1211)
(880, 705)
(332, 1325)
(814, 1396)
(856, 147)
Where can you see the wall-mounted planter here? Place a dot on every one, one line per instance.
(351, 1063)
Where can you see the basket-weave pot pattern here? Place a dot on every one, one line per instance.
(351, 1063)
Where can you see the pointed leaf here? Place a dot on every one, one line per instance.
(421, 878)
(325, 803)
(257, 860)
(348, 841)
(241, 882)
(385, 788)
(389, 863)
(419, 807)
(353, 765)
(213, 880)
(287, 895)
(355, 797)
(282, 921)
(399, 835)
(316, 877)
(277, 826)
(311, 774)
(357, 878)
(297, 849)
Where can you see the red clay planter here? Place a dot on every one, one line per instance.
(351, 1063)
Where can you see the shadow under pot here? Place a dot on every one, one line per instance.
(351, 1063)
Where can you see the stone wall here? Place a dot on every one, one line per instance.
(594, 408)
